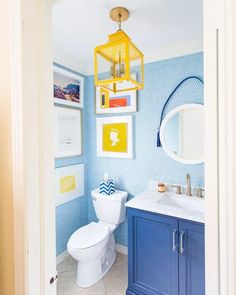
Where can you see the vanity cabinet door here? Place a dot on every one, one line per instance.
(191, 258)
(153, 255)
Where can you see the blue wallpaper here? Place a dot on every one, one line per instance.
(69, 217)
(149, 162)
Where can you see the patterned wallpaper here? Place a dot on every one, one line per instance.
(149, 162)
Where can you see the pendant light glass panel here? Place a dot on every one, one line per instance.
(118, 64)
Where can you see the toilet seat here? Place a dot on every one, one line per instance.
(88, 236)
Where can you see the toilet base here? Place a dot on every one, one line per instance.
(91, 272)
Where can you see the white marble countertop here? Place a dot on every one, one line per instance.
(180, 206)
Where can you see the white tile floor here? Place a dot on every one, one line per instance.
(114, 282)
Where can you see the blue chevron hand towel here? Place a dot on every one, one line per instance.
(107, 187)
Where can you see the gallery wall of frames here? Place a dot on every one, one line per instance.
(68, 95)
(114, 133)
(114, 140)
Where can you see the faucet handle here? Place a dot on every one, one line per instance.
(178, 188)
(200, 190)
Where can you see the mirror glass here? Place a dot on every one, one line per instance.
(182, 133)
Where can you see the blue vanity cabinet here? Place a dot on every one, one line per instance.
(165, 255)
(191, 258)
(152, 254)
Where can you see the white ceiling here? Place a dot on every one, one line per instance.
(160, 28)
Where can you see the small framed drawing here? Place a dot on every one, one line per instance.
(69, 183)
(68, 132)
(68, 88)
(115, 137)
(110, 103)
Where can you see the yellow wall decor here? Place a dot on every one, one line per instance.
(67, 183)
(115, 137)
(116, 61)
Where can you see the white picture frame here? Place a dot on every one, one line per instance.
(115, 137)
(62, 79)
(68, 132)
(69, 183)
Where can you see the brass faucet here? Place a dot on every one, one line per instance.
(188, 185)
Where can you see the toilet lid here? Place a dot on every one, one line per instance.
(88, 236)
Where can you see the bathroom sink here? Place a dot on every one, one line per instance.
(182, 202)
(170, 201)
(181, 206)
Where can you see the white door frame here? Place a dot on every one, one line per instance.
(34, 158)
(220, 140)
(227, 145)
(33, 152)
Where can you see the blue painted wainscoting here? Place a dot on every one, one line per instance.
(166, 255)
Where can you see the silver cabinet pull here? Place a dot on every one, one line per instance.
(174, 239)
(181, 243)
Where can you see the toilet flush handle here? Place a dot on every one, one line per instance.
(94, 198)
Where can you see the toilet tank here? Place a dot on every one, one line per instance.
(110, 208)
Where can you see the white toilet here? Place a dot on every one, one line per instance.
(93, 245)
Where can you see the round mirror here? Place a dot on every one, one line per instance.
(182, 133)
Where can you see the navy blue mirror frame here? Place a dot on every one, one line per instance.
(167, 101)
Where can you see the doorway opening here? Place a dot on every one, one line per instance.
(171, 38)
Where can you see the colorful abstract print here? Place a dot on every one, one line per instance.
(122, 101)
(71, 92)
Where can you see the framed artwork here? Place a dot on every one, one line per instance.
(110, 103)
(115, 137)
(69, 183)
(68, 88)
(68, 132)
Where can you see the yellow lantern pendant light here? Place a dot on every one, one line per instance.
(118, 64)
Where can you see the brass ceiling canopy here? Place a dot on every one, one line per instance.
(119, 14)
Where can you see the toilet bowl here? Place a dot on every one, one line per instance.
(93, 245)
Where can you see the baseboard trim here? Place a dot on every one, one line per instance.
(121, 249)
(62, 257)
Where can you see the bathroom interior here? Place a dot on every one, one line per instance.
(129, 142)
